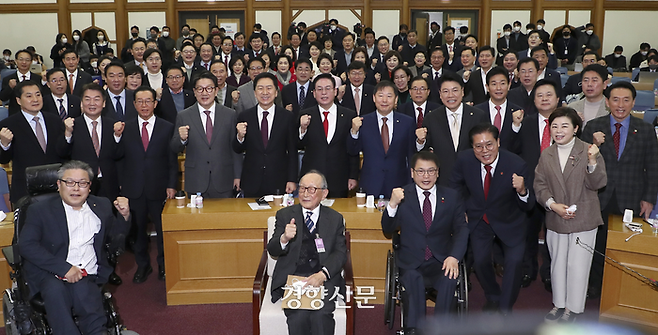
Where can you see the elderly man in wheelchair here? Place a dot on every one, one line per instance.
(63, 243)
(433, 238)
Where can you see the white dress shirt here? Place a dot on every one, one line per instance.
(389, 122)
(492, 112)
(75, 77)
(421, 200)
(113, 100)
(83, 225)
(65, 102)
(423, 107)
(203, 116)
(270, 118)
(483, 174)
(149, 126)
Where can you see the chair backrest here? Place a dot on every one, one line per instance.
(635, 72)
(644, 100)
(564, 78)
(610, 70)
(562, 70)
(650, 115)
(4, 113)
(655, 85)
(617, 79)
(271, 262)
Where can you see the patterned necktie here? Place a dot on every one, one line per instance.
(39, 131)
(71, 83)
(145, 135)
(497, 118)
(325, 123)
(616, 138)
(385, 134)
(62, 110)
(263, 128)
(119, 108)
(546, 137)
(487, 183)
(309, 223)
(419, 123)
(454, 130)
(302, 96)
(357, 100)
(94, 138)
(208, 126)
(220, 95)
(427, 217)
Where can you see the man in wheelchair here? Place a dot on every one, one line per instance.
(63, 246)
(433, 238)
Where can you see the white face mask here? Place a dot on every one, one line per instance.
(65, 40)
(517, 29)
(528, 31)
(540, 27)
(333, 27)
(589, 32)
(617, 55)
(100, 37)
(644, 53)
(34, 62)
(6, 58)
(165, 33)
(94, 64)
(76, 38)
(507, 33)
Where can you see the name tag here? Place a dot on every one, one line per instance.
(319, 244)
(566, 52)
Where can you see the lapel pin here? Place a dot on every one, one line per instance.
(634, 131)
(443, 200)
(501, 173)
(398, 121)
(471, 113)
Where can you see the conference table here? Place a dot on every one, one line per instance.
(212, 253)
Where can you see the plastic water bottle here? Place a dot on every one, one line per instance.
(199, 200)
(381, 203)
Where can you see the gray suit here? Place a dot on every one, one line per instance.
(248, 98)
(209, 168)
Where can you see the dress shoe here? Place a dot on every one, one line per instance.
(142, 274)
(161, 273)
(526, 281)
(114, 279)
(547, 285)
(491, 306)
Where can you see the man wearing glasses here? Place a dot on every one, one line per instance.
(59, 102)
(245, 97)
(23, 63)
(433, 238)
(497, 193)
(419, 105)
(150, 174)
(309, 241)
(206, 130)
(174, 97)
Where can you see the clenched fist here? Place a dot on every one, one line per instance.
(68, 124)
(592, 154)
(6, 136)
(242, 130)
(118, 128)
(304, 121)
(290, 232)
(421, 135)
(184, 132)
(519, 184)
(598, 138)
(517, 117)
(396, 197)
(356, 124)
(235, 95)
(121, 204)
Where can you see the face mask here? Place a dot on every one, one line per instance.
(644, 53)
(589, 32)
(7, 58)
(517, 29)
(507, 33)
(566, 34)
(65, 40)
(653, 66)
(76, 38)
(34, 62)
(617, 55)
(94, 64)
(528, 31)
(165, 33)
(134, 34)
(540, 27)
(101, 37)
(186, 32)
(333, 27)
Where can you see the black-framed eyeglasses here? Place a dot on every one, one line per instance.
(310, 189)
(208, 89)
(72, 183)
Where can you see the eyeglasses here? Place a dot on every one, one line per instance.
(174, 77)
(154, 59)
(310, 189)
(256, 68)
(480, 148)
(208, 89)
(72, 183)
(57, 81)
(429, 172)
(144, 101)
(419, 89)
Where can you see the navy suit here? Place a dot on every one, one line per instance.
(552, 60)
(519, 96)
(507, 135)
(44, 244)
(51, 106)
(367, 104)
(82, 79)
(554, 76)
(506, 214)
(447, 236)
(129, 111)
(381, 171)
(290, 96)
(456, 62)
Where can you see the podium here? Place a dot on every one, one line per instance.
(625, 297)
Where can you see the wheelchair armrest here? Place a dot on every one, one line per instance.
(260, 285)
(8, 252)
(349, 283)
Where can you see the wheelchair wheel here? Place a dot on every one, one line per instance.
(461, 294)
(8, 313)
(390, 290)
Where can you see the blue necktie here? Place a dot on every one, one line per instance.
(119, 108)
(302, 96)
(309, 223)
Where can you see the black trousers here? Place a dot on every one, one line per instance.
(142, 209)
(313, 322)
(83, 298)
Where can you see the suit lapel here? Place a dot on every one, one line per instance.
(197, 125)
(417, 211)
(554, 166)
(573, 161)
(28, 129)
(468, 121)
(631, 138)
(61, 222)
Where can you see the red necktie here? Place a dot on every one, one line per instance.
(427, 217)
(616, 138)
(226, 60)
(325, 123)
(206, 66)
(546, 137)
(145, 135)
(263, 128)
(419, 123)
(208, 126)
(487, 183)
(385, 134)
(24, 77)
(497, 118)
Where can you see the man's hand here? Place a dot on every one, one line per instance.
(356, 124)
(68, 124)
(378, 77)
(450, 267)
(118, 128)
(598, 138)
(12, 83)
(184, 132)
(171, 193)
(467, 75)
(6, 136)
(235, 95)
(550, 48)
(396, 197)
(123, 207)
(400, 47)
(343, 77)
(315, 280)
(645, 209)
(351, 184)
(341, 92)
(74, 275)
(242, 130)
(290, 187)
(236, 183)
(592, 153)
(158, 94)
(290, 232)
(289, 107)
(561, 210)
(421, 135)
(519, 184)
(304, 121)
(517, 117)
(374, 62)
(425, 75)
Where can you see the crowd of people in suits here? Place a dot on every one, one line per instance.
(456, 127)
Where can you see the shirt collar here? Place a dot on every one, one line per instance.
(423, 105)
(150, 120)
(626, 123)
(88, 120)
(459, 110)
(431, 190)
(493, 164)
(202, 110)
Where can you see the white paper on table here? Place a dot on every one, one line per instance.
(327, 202)
(255, 206)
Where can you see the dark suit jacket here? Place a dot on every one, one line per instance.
(7, 93)
(616, 63)
(289, 97)
(268, 168)
(367, 104)
(381, 172)
(330, 227)
(342, 63)
(436, 41)
(528, 145)
(51, 106)
(504, 209)
(44, 241)
(129, 109)
(634, 177)
(447, 236)
(573, 84)
(166, 108)
(330, 158)
(228, 100)
(408, 108)
(82, 79)
(552, 60)
(439, 138)
(475, 87)
(397, 41)
(519, 96)
(456, 62)
(507, 135)
(520, 40)
(148, 173)
(636, 60)
(408, 53)
(570, 45)
(82, 148)
(25, 150)
(554, 76)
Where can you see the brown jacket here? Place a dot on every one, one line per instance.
(573, 186)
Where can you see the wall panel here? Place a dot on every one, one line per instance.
(107, 21)
(42, 38)
(80, 21)
(500, 17)
(144, 20)
(310, 16)
(271, 21)
(579, 18)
